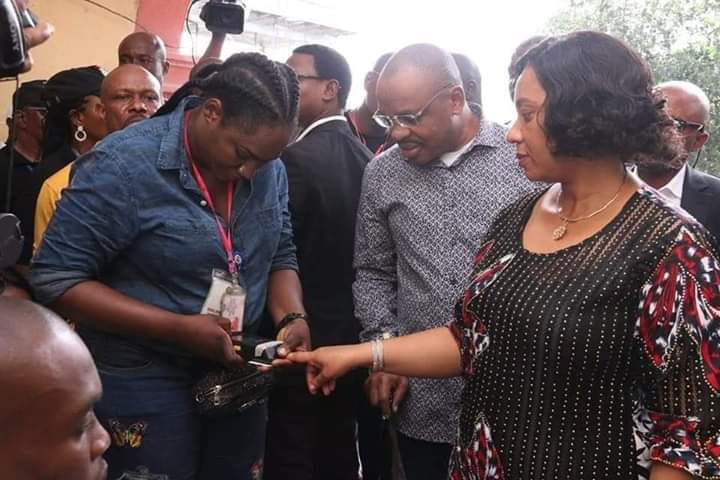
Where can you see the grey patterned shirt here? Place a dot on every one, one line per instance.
(417, 232)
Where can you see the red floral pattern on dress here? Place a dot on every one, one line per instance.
(469, 330)
(683, 295)
(479, 460)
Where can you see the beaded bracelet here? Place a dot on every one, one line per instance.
(287, 319)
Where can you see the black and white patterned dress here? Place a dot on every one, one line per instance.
(574, 356)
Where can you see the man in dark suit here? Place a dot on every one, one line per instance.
(691, 189)
(314, 437)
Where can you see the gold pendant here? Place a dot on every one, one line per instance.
(559, 232)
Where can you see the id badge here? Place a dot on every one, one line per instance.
(232, 306)
(221, 281)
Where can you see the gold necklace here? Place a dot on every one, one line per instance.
(560, 231)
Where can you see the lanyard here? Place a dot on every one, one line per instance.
(225, 233)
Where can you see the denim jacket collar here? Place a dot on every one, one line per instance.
(172, 150)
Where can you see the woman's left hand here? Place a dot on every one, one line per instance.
(295, 337)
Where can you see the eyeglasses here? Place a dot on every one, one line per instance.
(40, 110)
(407, 120)
(309, 77)
(683, 125)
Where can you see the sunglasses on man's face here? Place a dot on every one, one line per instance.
(684, 126)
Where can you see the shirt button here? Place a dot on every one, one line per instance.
(203, 203)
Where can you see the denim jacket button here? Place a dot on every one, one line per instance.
(203, 203)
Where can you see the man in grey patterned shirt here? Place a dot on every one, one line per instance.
(425, 206)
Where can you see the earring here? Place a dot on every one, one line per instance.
(80, 134)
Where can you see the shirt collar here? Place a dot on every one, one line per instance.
(317, 123)
(172, 151)
(489, 135)
(675, 185)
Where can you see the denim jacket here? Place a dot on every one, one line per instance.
(134, 219)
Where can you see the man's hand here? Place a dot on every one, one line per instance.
(386, 391)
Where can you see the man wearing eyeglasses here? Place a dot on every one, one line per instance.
(313, 438)
(25, 142)
(25, 127)
(426, 205)
(686, 187)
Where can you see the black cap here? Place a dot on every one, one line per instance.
(66, 90)
(30, 94)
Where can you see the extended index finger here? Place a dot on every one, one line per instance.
(300, 357)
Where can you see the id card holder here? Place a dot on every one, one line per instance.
(221, 280)
(232, 307)
(226, 299)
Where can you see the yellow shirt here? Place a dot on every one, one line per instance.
(50, 194)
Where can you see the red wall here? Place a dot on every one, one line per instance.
(166, 18)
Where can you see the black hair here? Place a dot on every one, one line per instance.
(600, 99)
(251, 87)
(330, 65)
(381, 62)
(520, 50)
(64, 92)
(469, 71)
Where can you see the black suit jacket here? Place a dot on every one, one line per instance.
(701, 194)
(325, 171)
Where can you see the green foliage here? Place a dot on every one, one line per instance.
(680, 39)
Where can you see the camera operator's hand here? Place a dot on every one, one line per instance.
(34, 36)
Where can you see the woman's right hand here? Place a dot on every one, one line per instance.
(208, 336)
(327, 364)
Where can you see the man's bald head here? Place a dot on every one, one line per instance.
(147, 50)
(687, 97)
(49, 385)
(421, 98)
(687, 102)
(427, 60)
(129, 94)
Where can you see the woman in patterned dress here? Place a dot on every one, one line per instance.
(588, 332)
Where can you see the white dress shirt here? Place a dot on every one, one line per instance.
(673, 190)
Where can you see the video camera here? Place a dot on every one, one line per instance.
(224, 16)
(13, 51)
